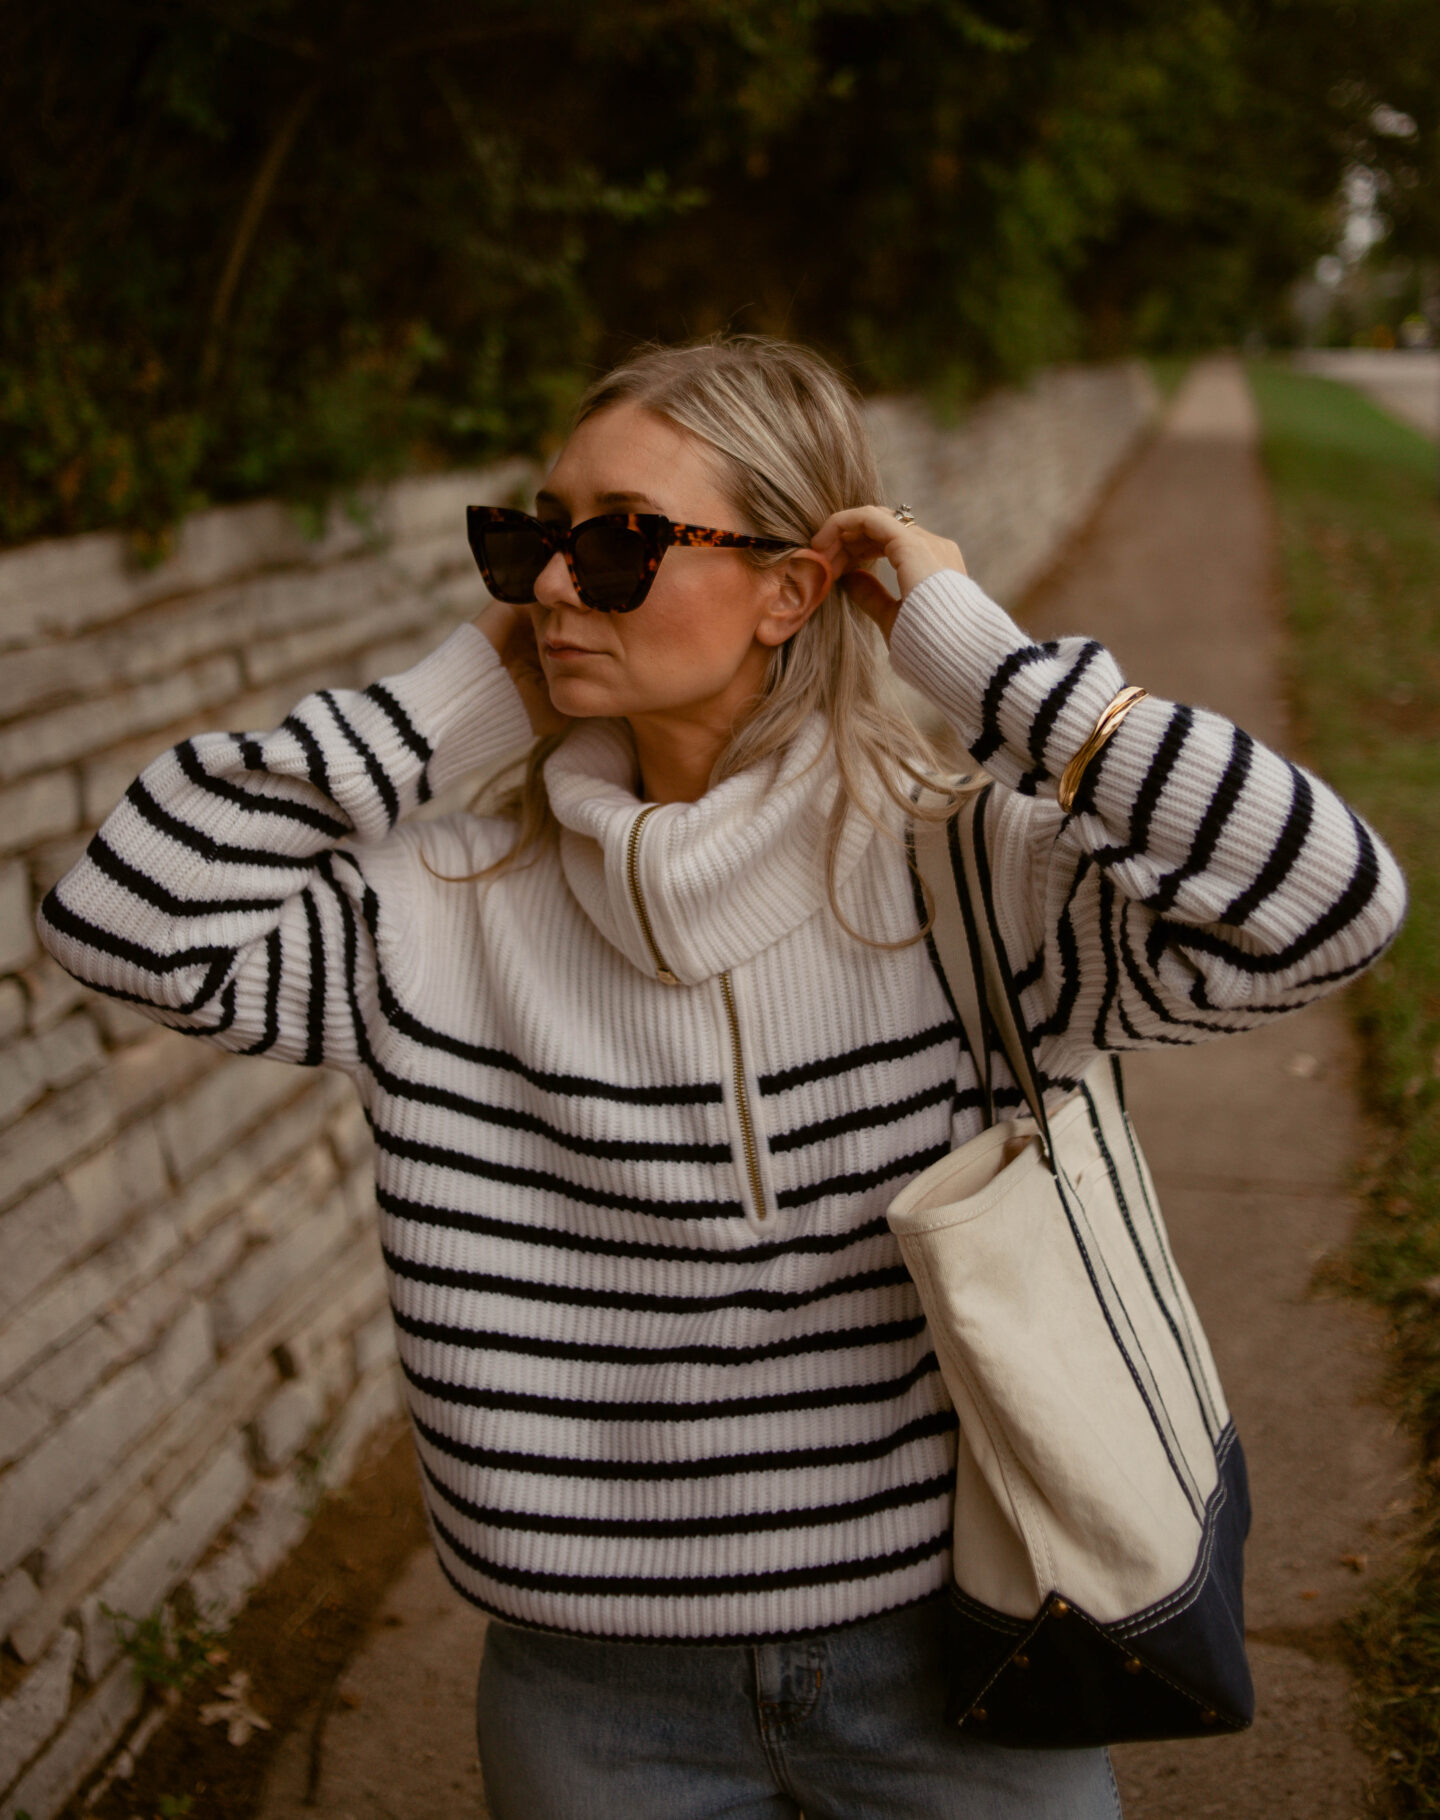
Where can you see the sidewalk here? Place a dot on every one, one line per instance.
(1249, 1141)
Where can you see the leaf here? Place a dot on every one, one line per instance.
(234, 1710)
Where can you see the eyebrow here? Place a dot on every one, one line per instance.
(643, 500)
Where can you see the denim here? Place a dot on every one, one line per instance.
(846, 1725)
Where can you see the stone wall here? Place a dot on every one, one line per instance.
(193, 1333)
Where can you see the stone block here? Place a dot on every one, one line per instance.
(396, 655)
(107, 775)
(94, 1532)
(249, 1160)
(375, 1401)
(375, 1342)
(22, 1078)
(23, 1419)
(62, 1380)
(18, 1596)
(43, 741)
(274, 1524)
(349, 1133)
(386, 612)
(14, 1009)
(79, 1451)
(356, 1291)
(79, 1294)
(34, 1238)
(19, 943)
(258, 710)
(70, 1050)
(196, 1126)
(52, 993)
(156, 1068)
(89, 1734)
(269, 1271)
(55, 1058)
(120, 1024)
(38, 808)
(96, 1313)
(61, 586)
(151, 1571)
(221, 1584)
(360, 1194)
(210, 1258)
(286, 1423)
(50, 860)
(108, 1187)
(63, 1125)
(37, 1706)
(292, 1195)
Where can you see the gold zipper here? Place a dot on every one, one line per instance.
(742, 1099)
(632, 873)
(666, 977)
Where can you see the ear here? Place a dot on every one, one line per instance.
(801, 582)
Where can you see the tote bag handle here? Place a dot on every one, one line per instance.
(953, 861)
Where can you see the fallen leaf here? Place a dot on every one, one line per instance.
(234, 1711)
(1356, 1563)
(1311, 1594)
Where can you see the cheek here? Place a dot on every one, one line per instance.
(697, 641)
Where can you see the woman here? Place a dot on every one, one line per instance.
(648, 1055)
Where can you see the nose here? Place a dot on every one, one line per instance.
(554, 587)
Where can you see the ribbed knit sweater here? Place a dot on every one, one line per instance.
(668, 1375)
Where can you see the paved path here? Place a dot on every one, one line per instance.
(1249, 1140)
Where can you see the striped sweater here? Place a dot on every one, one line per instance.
(639, 1106)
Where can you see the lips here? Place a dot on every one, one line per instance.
(559, 648)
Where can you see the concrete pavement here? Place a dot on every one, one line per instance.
(1250, 1141)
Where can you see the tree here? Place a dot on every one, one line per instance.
(289, 245)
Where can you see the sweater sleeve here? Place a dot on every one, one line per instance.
(1202, 882)
(228, 894)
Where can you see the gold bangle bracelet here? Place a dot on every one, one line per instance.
(1104, 727)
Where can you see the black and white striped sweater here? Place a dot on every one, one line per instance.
(669, 1378)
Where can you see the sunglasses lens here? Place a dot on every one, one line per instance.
(611, 561)
(514, 555)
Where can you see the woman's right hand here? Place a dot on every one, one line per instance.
(512, 632)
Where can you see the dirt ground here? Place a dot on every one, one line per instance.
(295, 1637)
(363, 1660)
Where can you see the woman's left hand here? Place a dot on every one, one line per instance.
(852, 540)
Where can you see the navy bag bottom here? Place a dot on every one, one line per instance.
(1061, 1680)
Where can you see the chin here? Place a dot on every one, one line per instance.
(582, 702)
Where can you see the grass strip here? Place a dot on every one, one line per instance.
(1359, 532)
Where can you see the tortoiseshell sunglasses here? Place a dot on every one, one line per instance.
(612, 560)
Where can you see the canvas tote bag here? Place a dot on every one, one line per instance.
(1100, 1499)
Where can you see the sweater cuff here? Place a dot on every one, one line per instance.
(967, 656)
(463, 705)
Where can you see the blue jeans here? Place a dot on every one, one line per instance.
(847, 1725)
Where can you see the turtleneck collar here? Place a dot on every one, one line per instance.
(722, 878)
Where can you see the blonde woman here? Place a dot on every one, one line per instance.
(648, 1051)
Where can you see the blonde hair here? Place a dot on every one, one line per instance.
(790, 448)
